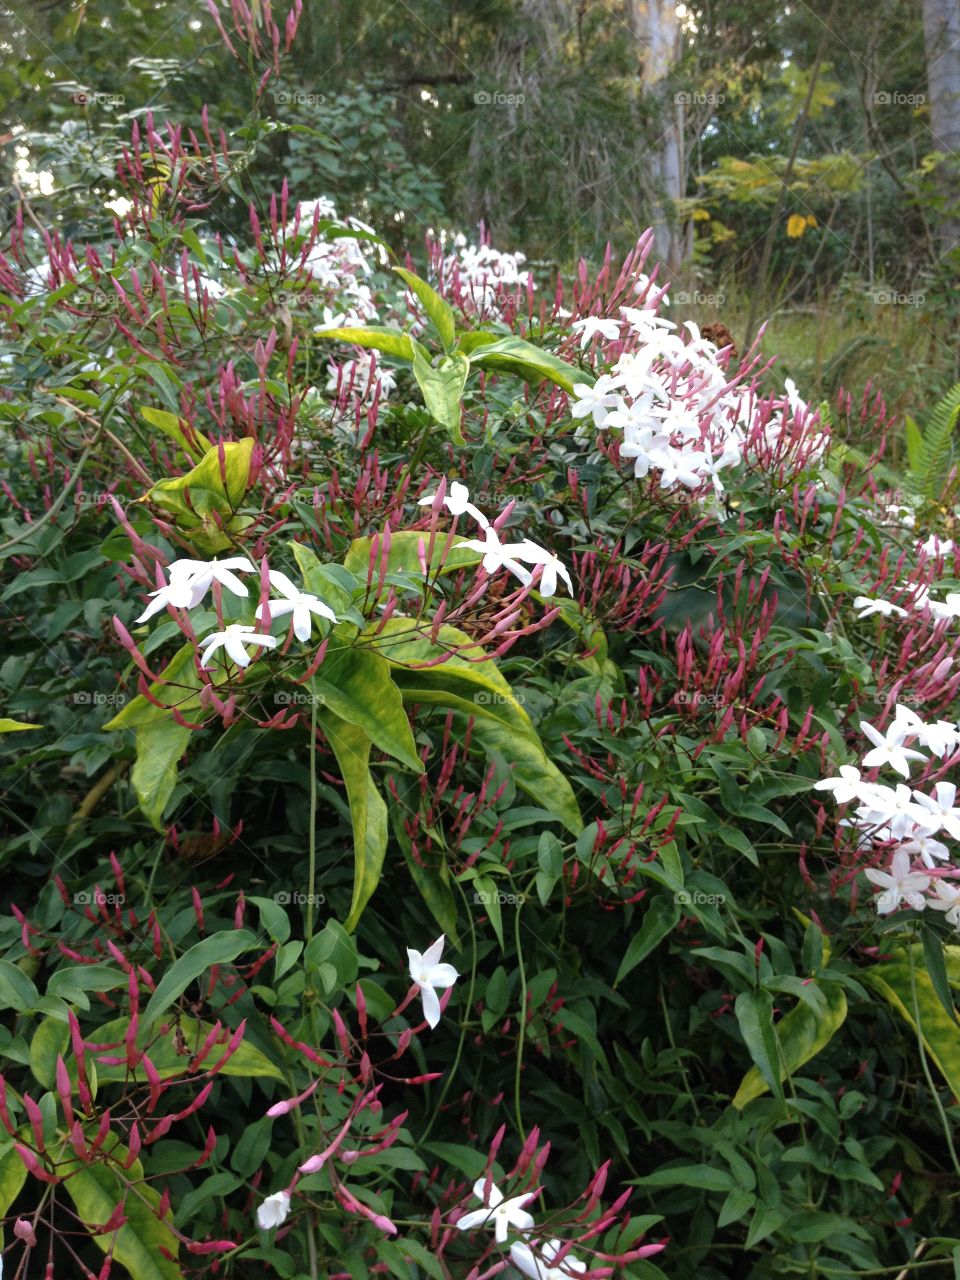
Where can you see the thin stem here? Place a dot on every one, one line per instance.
(312, 864)
(518, 1065)
(926, 1068)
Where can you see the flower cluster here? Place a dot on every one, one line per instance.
(907, 825)
(680, 413)
(503, 555)
(189, 582)
(483, 277)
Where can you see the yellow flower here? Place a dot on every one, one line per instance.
(811, 220)
(796, 226)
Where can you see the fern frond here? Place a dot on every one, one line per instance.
(935, 454)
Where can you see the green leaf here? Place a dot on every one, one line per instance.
(17, 991)
(219, 948)
(355, 684)
(531, 768)
(507, 730)
(941, 1035)
(936, 967)
(160, 741)
(96, 1190)
(247, 1061)
(702, 1176)
(442, 387)
(368, 813)
(439, 312)
(659, 919)
(15, 726)
(514, 355)
(486, 888)
(392, 342)
(13, 1174)
(404, 555)
(160, 745)
(754, 1011)
(432, 880)
(215, 484)
(801, 1033)
(914, 441)
(48, 1041)
(74, 981)
(193, 443)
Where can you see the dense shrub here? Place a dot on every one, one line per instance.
(347, 606)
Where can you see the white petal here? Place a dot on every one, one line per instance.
(234, 647)
(431, 1005)
(302, 623)
(230, 581)
(442, 976)
(433, 953)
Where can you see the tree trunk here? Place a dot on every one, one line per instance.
(656, 28)
(941, 30)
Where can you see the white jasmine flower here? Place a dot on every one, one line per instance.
(190, 581)
(500, 1214)
(888, 749)
(893, 808)
(428, 974)
(940, 809)
(299, 603)
(592, 325)
(900, 884)
(935, 546)
(273, 1211)
(846, 787)
(595, 401)
(553, 566)
(947, 899)
(233, 638)
(457, 501)
(923, 846)
(867, 607)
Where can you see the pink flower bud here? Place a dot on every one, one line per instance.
(23, 1230)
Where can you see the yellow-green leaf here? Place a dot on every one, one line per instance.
(193, 442)
(368, 813)
(801, 1034)
(941, 1035)
(442, 387)
(355, 684)
(217, 483)
(13, 1174)
(439, 312)
(15, 726)
(404, 554)
(247, 1059)
(96, 1189)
